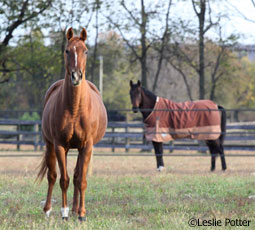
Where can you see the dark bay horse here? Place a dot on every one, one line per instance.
(74, 116)
(144, 101)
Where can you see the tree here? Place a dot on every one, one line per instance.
(117, 71)
(239, 88)
(130, 19)
(190, 54)
(240, 13)
(200, 8)
(16, 14)
(36, 67)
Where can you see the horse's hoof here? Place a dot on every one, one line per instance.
(82, 218)
(65, 218)
(160, 168)
(75, 213)
(212, 169)
(47, 213)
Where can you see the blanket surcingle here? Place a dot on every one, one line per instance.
(184, 121)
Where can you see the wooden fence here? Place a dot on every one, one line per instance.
(123, 135)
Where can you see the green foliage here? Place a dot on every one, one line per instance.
(30, 117)
(34, 116)
(117, 72)
(37, 67)
(236, 88)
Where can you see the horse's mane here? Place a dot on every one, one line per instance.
(149, 94)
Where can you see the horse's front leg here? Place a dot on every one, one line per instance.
(76, 192)
(158, 147)
(84, 159)
(64, 179)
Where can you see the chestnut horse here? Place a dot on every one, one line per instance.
(74, 116)
(143, 100)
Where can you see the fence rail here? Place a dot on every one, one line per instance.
(127, 135)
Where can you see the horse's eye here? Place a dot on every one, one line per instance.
(86, 52)
(67, 51)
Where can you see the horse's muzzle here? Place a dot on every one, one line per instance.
(76, 78)
(135, 109)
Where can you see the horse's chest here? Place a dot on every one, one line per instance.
(74, 135)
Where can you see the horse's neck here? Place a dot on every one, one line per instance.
(74, 96)
(148, 103)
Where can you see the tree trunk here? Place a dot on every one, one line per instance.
(144, 47)
(201, 50)
(63, 44)
(212, 94)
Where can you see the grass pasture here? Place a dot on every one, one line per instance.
(128, 193)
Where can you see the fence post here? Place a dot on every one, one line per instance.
(113, 140)
(40, 137)
(127, 141)
(171, 143)
(40, 140)
(18, 137)
(145, 142)
(36, 138)
(201, 144)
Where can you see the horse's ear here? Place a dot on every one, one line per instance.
(139, 83)
(83, 35)
(131, 83)
(69, 33)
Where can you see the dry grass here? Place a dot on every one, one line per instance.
(128, 193)
(128, 166)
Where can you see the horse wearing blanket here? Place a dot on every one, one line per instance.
(166, 120)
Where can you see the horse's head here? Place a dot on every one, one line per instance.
(135, 95)
(76, 56)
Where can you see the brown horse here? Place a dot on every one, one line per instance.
(209, 125)
(74, 116)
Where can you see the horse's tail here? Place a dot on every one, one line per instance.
(223, 123)
(43, 169)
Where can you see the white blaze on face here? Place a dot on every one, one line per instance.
(75, 56)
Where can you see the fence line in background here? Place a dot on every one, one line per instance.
(128, 135)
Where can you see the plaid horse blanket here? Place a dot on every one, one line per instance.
(191, 119)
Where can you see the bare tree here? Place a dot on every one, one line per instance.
(242, 14)
(200, 8)
(191, 54)
(162, 45)
(137, 21)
